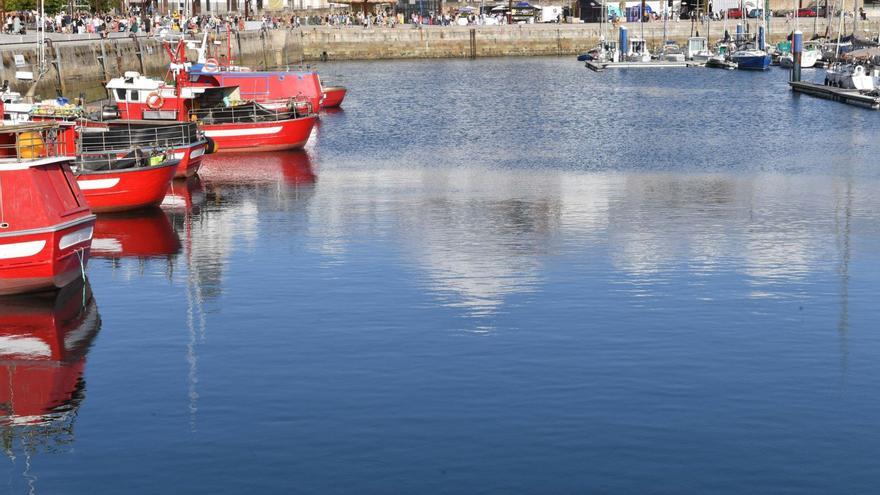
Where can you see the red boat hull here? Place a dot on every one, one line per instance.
(267, 85)
(46, 231)
(333, 96)
(52, 267)
(261, 136)
(128, 189)
(190, 159)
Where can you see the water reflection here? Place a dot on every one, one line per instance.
(140, 234)
(221, 211)
(44, 340)
(184, 195)
(481, 235)
(273, 168)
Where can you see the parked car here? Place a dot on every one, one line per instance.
(756, 13)
(733, 14)
(807, 12)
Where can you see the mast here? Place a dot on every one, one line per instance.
(665, 16)
(839, 31)
(642, 25)
(855, 19)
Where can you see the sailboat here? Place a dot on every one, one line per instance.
(859, 75)
(811, 53)
(753, 57)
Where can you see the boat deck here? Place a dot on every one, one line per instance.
(654, 64)
(848, 96)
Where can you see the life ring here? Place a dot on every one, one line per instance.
(155, 100)
(211, 65)
(859, 70)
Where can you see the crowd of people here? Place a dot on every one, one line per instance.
(136, 22)
(104, 23)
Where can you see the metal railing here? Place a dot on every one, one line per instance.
(32, 141)
(252, 112)
(122, 136)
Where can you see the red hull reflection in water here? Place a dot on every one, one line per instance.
(185, 195)
(291, 167)
(142, 234)
(43, 344)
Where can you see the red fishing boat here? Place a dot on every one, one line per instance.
(333, 96)
(142, 234)
(45, 223)
(267, 87)
(184, 140)
(229, 123)
(104, 132)
(136, 180)
(44, 340)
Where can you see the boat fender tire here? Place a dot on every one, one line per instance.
(211, 147)
(155, 100)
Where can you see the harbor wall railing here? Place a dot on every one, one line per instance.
(77, 66)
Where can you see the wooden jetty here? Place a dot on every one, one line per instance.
(654, 64)
(848, 96)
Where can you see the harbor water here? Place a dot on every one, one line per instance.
(490, 276)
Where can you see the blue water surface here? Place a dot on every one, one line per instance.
(493, 276)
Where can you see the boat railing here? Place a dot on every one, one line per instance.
(251, 112)
(125, 137)
(121, 159)
(34, 140)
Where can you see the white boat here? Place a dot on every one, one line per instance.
(853, 76)
(811, 54)
(671, 52)
(638, 51)
(607, 51)
(698, 50)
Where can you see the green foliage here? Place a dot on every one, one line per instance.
(52, 6)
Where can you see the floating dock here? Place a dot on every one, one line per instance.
(654, 64)
(848, 96)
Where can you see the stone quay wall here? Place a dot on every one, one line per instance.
(81, 66)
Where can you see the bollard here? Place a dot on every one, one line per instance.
(624, 49)
(797, 50)
(761, 38)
